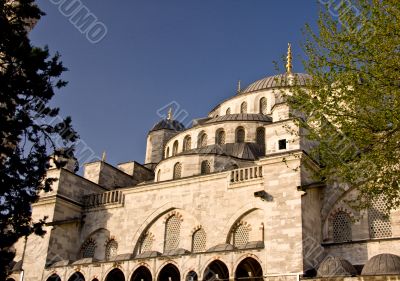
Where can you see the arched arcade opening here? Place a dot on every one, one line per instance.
(249, 269)
(77, 276)
(216, 270)
(54, 277)
(115, 275)
(142, 273)
(169, 273)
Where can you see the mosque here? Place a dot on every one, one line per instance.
(231, 197)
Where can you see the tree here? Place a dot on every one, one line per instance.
(30, 133)
(351, 105)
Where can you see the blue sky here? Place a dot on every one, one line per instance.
(157, 52)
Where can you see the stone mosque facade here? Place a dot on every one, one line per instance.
(231, 197)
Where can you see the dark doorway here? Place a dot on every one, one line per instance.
(141, 274)
(115, 275)
(77, 276)
(191, 276)
(249, 270)
(169, 273)
(54, 277)
(216, 270)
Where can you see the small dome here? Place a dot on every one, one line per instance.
(281, 80)
(383, 264)
(335, 266)
(167, 124)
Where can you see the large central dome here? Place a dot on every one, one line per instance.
(280, 80)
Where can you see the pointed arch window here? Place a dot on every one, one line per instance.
(172, 233)
(199, 241)
(178, 171)
(379, 219)
(202, 140)
(167, 152)
(88, 249)
(341, 227)
(228, 111)
(175, 148)
(187, 143)
(146, 244)
(240, 135)
(220, 137)
(111, 249)
(158, 175)
(205, 167)
(241, 235)
(260, 136)
(263, 105)
(243, 107)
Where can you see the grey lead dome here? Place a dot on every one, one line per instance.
(280, 80)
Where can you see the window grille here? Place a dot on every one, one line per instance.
(240, 135)
(221, 137)
(88, 249)
(111, 249)
(199, 241)
(263, 106)
(205, 167)
(341, 227)
(147, 243)
(187, 143)
(202, 140)
(177, 170)
(379, 219)
(243, 107)
(172, 233)
(260, 137)
(175, 148)
(241, 235)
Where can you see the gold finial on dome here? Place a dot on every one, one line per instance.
(239, 87)
(289, 59)
(169, 116)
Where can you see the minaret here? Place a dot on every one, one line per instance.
(169, 116)
(289, 59)
(239, 87)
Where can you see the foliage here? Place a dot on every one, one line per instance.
(31, 129)
(352, 103)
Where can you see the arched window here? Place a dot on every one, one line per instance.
(178, 171)
(263, 106)
(240, 135)
(175, 148)
(167, 152)
(158, 175)
(228, 111)
(379, 219)
(241, 235)
(172, 233)
(205, 167)
(111, 249)
(187, 143)
(202, 140)
(146, 243)
(341, 227)
(220, 137)
(243, 107)
(88, 248)
(260, 136)
(199, 241)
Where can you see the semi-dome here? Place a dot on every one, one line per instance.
(168, 124)
(382, 264)
(280, 80)
(335, 266)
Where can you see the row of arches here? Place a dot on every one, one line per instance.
(262, 106)
(220, 139)
(248, 269)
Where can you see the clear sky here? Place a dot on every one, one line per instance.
(155, 52)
